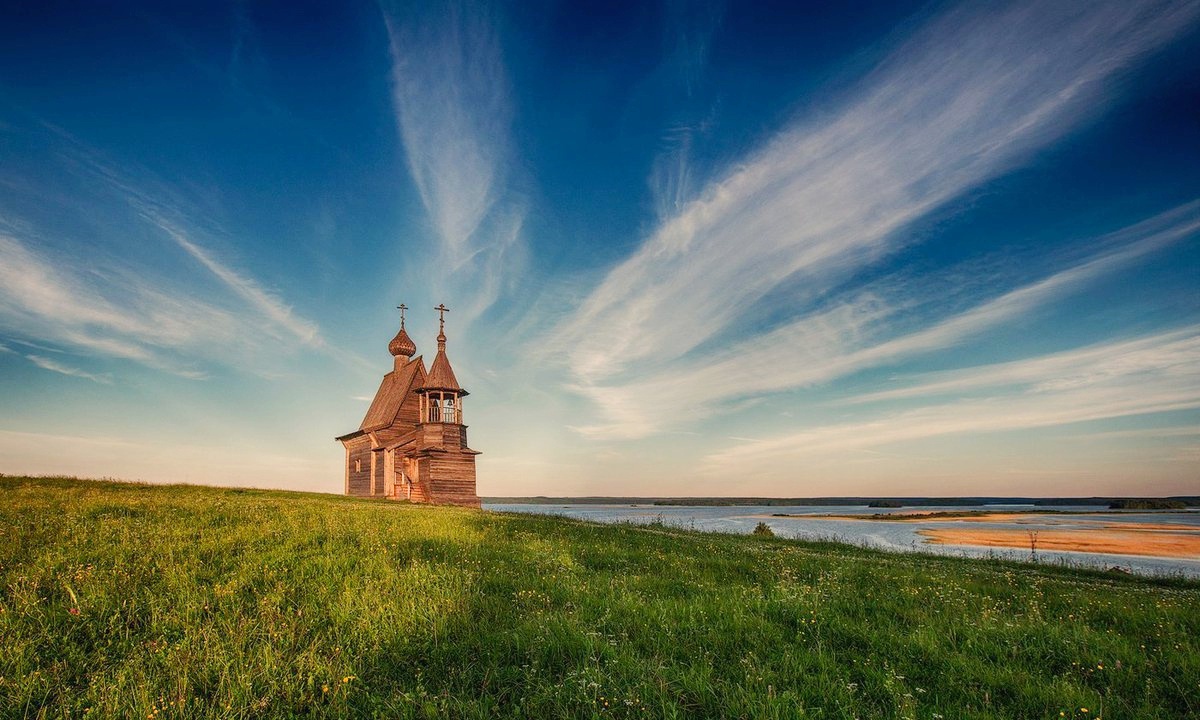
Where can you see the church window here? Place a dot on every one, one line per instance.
(358, 466)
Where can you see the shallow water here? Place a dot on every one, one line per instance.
(895, 536)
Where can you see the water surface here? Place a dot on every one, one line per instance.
(894, 536)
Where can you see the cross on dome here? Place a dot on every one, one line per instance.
(402, 345)
(442, 310)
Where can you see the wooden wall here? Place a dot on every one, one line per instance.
(377, 472)
(358, 482)
(452, 479)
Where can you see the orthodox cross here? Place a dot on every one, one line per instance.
(442, 310)
(401, 307)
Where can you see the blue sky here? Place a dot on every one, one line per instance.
(689, 248)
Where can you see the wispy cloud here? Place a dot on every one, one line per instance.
(852, 336)
(1060, 371)
(57, 301)
(58, 367)
(969, 96)
(130, 300)
(118, 311)
(270, 306)
(689, 30)
(1155, 374)
(1183, 431)
(454, 113)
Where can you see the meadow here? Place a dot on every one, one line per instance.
(129, 600)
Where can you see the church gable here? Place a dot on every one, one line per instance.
(395, 388)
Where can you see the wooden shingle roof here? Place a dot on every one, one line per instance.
(392, 391)
(441, 375)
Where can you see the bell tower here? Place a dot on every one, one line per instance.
(441, 395)
(441, 440)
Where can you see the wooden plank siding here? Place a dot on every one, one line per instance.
(452, 479)
(358, 466)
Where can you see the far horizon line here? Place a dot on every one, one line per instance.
(1191, 500)
(628, 498)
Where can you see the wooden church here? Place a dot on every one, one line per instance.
(412, 445)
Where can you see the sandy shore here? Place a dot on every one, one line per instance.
(1152, 527)
(924, 516)
(1040, 518)
(1160, 543)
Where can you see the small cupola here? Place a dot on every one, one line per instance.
(440, 393)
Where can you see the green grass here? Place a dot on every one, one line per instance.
(123, 600)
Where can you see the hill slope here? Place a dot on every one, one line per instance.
(125, 600)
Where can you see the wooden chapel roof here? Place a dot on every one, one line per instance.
(441, 375)
(392, 391)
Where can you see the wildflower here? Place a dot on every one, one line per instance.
(74, 611)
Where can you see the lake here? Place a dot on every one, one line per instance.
(905, 536)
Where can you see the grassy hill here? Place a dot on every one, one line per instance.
(122, 600)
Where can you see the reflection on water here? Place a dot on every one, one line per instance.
(896, 536)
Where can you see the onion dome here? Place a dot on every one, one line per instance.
(402, 344)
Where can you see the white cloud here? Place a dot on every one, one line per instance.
(1060, 371)
(58, 367)
(847, 338)
(55, 302)
(454, 113)
(968, 97)
(689, 32)
(1152, 432)
(454, 117)
(247, 289)
(121, 303)
(116, 311)
(689, 29)
(1154, 374)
